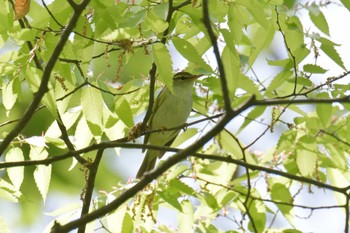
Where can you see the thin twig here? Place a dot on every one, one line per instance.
(213, 40)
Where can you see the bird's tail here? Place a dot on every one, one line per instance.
(149, 162)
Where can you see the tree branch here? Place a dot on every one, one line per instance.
(225, 91)
(43, 88)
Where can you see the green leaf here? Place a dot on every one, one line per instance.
(24, 34)
(124, 112)
(188, 51)
(156, 23)
(231, 64)
(238, 18)
(328, 48)
(286, 63)
(315, 69)
(128, 224)
(258, 211)
(92, 103)
(249, 86)
(189, 133)
(306, 162)
(9, 192)
(164, 63)
(181, 187)
(122, 34)
(10, 92)
(83, 135)
(346, 3)
(280, 193)
(42, 173)
(171, 199)
(338, 157)
(119, 221)
(318, 19)
(252, 115)
(278, 80)
(228, 143)
(324, 111)
(186, 217)
(16, 174)
(33, 77)
(262, 39)
(258, 11)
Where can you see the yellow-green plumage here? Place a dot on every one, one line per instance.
(170, 110)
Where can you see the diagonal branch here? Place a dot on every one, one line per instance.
(43, 88)
(149, 177)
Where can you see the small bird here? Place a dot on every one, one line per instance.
(170, 110)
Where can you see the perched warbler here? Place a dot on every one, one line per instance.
(170, 110)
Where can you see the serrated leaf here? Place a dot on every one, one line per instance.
(227, 143)
(122, 34)
(324, 111)
(280, 193)
(306, 162)
(69, 118)
(119, 221)
(92, 103)
(258, 11)
(278, 80)
(16, 174)
(186, 217)
(182, 187)
(25, 34)
(249, 86)
(319, 19)
(286, 63)
(258, 210)
(315, 69)
(42, 176)
(252, 115)
(9, 192)
(3, 226)
(156, 23)
(231, 64)
(211, 201)
(177, 170)
(228, 197)
(338, 158)
(83, 135)
(33, 77)
(332, 54)
(171, 199)
(263, 38)
(164, 63)
(123, 110)
(188, 51)
(10, 92)
(42, 173)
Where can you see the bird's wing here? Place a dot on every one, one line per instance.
(156, 105)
